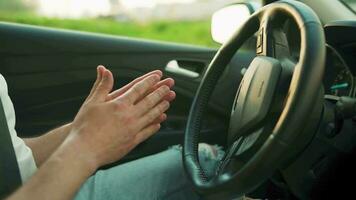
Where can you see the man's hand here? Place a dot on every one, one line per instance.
(108, 126)
(43, 146)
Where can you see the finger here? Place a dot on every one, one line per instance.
(170, 96)
(122, 90)
(139, 89)
(152, 114)
(160, 119)
(146, 133)
(152, 99)
(168, 82)
(104, 87)
(99, 72)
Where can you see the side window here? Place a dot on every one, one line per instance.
(351, 4)
(182, 21)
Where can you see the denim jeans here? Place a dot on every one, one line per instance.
(159, 176)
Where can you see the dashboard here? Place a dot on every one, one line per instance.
(340, 70)
(324, 164)
(338, 78)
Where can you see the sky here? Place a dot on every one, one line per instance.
(73, 8)
(151, 3)
(79, 8)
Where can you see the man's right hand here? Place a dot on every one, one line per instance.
(108, 126)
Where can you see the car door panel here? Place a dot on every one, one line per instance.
(50, 72)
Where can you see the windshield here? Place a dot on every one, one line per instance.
(351, 4)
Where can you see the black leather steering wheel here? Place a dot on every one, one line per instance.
(273, 103)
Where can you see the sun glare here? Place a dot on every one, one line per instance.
(94, 8)
(73, 8)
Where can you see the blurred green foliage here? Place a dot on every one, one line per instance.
(190, 32)
(13, 5)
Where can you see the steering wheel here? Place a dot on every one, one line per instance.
(272, 106)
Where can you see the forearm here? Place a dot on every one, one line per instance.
(60, 176)
(42, 147)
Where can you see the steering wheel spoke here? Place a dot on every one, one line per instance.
(230, 153)
(237, 151)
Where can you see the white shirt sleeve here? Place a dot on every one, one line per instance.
(23, 153)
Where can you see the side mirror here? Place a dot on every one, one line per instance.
(226, 21)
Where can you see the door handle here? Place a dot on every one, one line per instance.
(174, 66)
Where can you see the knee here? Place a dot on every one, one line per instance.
(209, 156)
(210, 152)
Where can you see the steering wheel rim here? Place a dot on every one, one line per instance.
(303, 89)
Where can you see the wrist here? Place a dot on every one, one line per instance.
(77, 150)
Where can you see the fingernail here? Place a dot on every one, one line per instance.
(100, 66)
(105, 74)
(173, 94)
(155, 78)
(170, 82)
(173, 82)
(159, 72)
(166, 104)
(164, 116)
(165, 88)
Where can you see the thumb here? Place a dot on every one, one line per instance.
(99, 76)
(104, 87)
